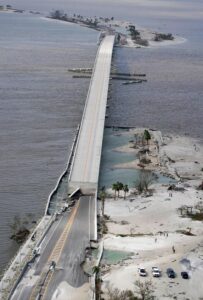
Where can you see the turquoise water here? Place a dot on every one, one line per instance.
(112, 140)
(114, 256)
(110, 158)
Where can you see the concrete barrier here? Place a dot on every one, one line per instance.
(64, 173)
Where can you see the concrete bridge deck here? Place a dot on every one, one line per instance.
(86, 162)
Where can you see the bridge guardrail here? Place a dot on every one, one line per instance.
(66, 171)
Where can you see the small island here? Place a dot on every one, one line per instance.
(127, 34)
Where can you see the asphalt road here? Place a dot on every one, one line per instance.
(69, 266)
(69, 256)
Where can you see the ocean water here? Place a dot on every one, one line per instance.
(40, 108)
(41, 105)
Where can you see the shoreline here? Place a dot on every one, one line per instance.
(116, 26)
(172, 144)
(149, 226)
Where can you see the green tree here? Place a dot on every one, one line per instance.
(119, 187)
(114, 188)
(125, 189)
(95, 270)
(147, 136)
(102, 196)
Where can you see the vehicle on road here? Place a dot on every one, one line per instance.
(36, 251)
(52, 266)
(184, 275)
(156, 272)
(34, 236)
(64, 208)
(142, 272)
(170, 272)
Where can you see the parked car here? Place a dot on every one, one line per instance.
(170, 272)
(184, 275)
(142, 272)
(156, 272)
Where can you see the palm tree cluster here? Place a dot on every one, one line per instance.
(119, 186)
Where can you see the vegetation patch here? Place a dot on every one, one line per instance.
(144, 291)
(163, 37)
(186, 232)
(134, 234)
(21, 228)
(196, 216)
(144, 180)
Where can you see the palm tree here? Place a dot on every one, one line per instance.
(102, 196)
(114, 188)
(95, 270)
(119, 187)
(125, 189)
(147, 136)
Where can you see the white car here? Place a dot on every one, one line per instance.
(142, 272)
(156, 272)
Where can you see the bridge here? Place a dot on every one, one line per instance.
(64, 244)
(85, 169)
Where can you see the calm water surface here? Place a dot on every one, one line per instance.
(40, 108)
(41, 105)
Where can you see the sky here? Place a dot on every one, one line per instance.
(178, 8)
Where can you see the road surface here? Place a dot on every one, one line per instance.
(65, 244)
(86, 164)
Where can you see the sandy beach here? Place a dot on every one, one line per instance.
(152, 226)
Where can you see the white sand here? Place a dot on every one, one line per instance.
(147, 217)
(67, 292)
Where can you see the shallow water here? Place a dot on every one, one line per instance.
(109, 172)
(114, 256)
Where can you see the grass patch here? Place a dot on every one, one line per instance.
(104, 228)
(196, 216)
